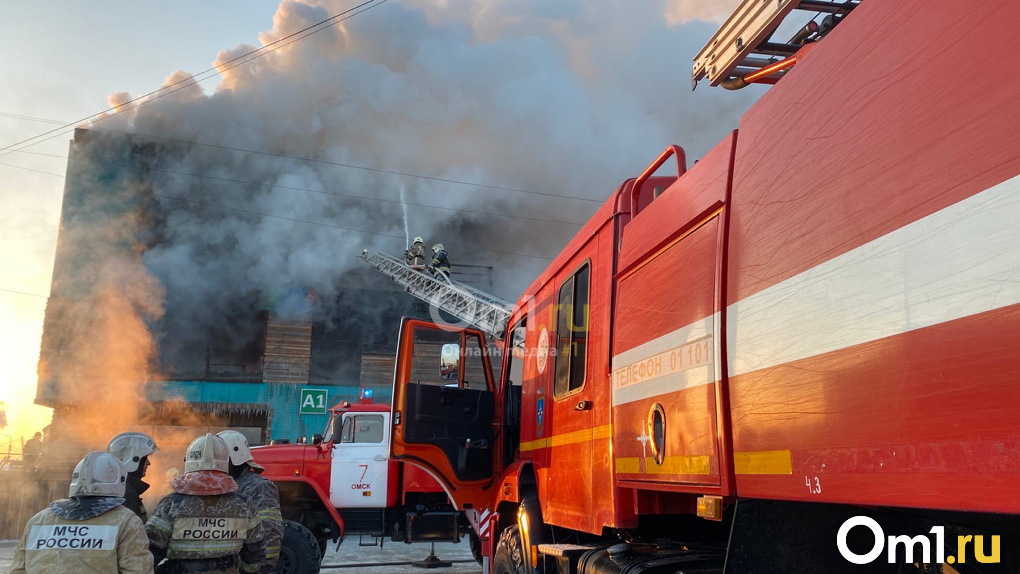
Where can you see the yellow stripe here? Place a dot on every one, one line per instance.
(161, 524)
(604, 431)
(698, 464)
(270, 514)
(763, 462)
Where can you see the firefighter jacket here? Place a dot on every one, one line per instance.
(133, 490)
(416, 255)
(441, 261)
(205, 526)
(267, 500)
(83, 535)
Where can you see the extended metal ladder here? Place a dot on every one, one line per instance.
(487, 312)
(742, 50)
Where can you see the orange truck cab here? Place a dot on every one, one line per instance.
(345, 484)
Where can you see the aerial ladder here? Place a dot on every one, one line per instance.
(486, 312)
(744, 50)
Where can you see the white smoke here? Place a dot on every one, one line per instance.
(568, 98)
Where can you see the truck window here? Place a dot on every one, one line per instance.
(512, 386)
(515, 369)
(426, 360)
(572, 333)
(331, 428)
(474, 363)
(365, 429)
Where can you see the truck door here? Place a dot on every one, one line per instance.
(444, 409)
(359, 474)
(567, 464)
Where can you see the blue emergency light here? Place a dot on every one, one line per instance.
(366, 395)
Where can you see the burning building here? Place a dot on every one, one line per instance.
(173, 335)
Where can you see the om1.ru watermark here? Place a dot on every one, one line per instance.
(909, 545)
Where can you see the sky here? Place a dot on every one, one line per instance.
(599, 87)
(70, 57)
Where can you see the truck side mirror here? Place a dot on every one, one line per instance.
(302, 440)
(317, 439)
(449, 362)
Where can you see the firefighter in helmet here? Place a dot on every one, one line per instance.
(263, 492)
(133, 450)
(205, 525)
(89, 532)
(415, 256)
(440, 263)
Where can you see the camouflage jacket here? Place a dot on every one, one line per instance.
(83, 535)
(416, 254)
(267, 500)
(204, 532)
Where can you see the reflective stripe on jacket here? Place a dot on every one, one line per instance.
(267, 500)
(187, 527)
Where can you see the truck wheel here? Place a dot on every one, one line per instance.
(476, 547)
(299, 551)
(509, 558)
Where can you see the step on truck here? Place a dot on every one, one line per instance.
(344, 485)
(797, 355)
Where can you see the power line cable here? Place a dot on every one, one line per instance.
(30, 169)
(30, 118)
(353, 166)
(319, 223)
(25, 293)
(323, 192)
(324, 224)
(213, 71)
(327, 162)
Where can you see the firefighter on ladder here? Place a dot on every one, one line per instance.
(262, 492)
(440, 267)
(205, 525)
(415, 256)
(89, 532)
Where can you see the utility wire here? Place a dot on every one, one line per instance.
(25, 293)
(30, 118)
(326, 162)
(353, 166)
(324, 224)
(213, 71)
(30, 169)
(319, 223)
(293, 188)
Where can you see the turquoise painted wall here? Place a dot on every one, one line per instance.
(283, 400)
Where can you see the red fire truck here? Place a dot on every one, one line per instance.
(797, 355)
(344, 484)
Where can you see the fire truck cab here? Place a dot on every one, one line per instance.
(344, 484)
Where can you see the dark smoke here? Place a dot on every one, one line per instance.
(563, 98)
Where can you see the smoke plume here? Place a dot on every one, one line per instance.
(97, 345)
(563, 98)
(3, 415)
(549, 106)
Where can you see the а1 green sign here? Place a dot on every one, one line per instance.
(313, 402)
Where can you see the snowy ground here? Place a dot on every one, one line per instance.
(351, 558)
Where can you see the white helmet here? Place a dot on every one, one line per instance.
(437, 248)
(207, 452)
(240, 452)
(98, 474)
(419, 240)
(131, 448)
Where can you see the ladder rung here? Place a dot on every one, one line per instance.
(748, 31)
